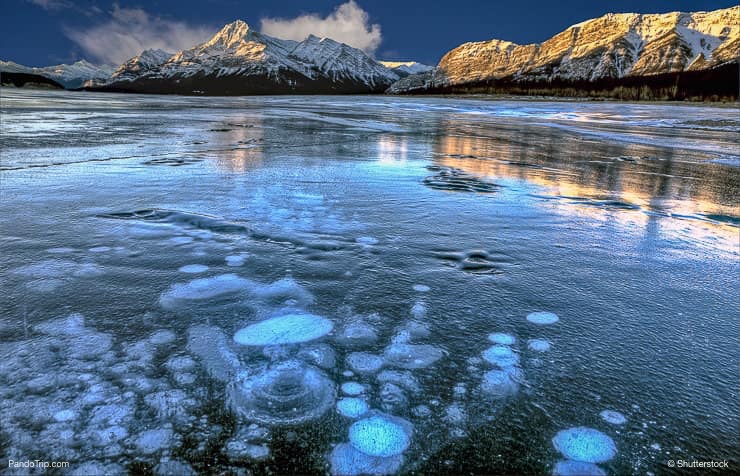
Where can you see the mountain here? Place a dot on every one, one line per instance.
(70, 76)
(240, 60)
(606, 49)
(405, 68)
(27, 80)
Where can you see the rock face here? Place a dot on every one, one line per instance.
(240, 60)
(613, 46)
(69, 76)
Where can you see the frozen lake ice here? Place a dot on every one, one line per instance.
(427, 285)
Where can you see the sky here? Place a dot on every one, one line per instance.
(44, 32)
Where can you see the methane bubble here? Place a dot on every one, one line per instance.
(585, 444)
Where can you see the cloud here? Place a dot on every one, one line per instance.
(348, 23)
(51, 4)
(129, 31)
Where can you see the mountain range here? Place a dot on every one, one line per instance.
(604, 49)
(669, 54)
(70, 76)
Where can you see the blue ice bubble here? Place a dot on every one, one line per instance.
(352, 407)
(364, 363)
(501, 355)
(287, 329)
(411, 356)
(543, 318)
(576, 468)
(348, 461)
(353, 388)
(499, 383)
(381, 435)
(613, 417)
(193, 268)
(367, 240)
(538, 345)
(502, 338)
(585, 444)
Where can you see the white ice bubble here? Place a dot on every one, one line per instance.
(499, 383)
(151, 441)
(162, 337)
(61, 250)
(421, 288)
(235, 260)
(367, 240)
(402, 378)
(65, 415)
(542, 318)
(364, 363)
(502, 338)
(613, 417)
(353, 388)
(411, 356)
(585, 444)
(352, 407)
(539, 345)
(287, 329)
(181, 240)
(193, 268)
(321, 355)
(381, 435)
(210, 344)
(501, 355)
(576, 468)
(348, 461)
(357, 333)
(100, 249)
(204, 288)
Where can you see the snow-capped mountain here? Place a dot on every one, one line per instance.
(405, 68)
(68, 75)
(143, 63)
(612, 46)
(240, 60)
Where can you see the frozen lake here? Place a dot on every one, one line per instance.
(347, 285)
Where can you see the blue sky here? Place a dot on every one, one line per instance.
(43, 32)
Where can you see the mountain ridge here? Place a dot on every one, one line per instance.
(613, 46)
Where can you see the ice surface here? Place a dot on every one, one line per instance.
(538, 345)
(502, 338)
(287, 329)
(542, 318)
(576, 468)
(411, 356)
(585, 444)
(288, 393)
(613, 417)
(381, 435)
(346, 460)
(352, 407)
